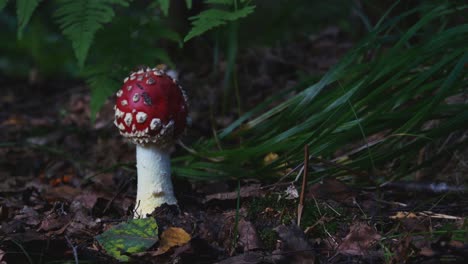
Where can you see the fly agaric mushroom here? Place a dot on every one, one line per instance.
(151, 111)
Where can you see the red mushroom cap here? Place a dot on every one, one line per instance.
(151, 107)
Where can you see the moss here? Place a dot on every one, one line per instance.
(272, 211)
(269, 238)
(268, 212)
(311, 216)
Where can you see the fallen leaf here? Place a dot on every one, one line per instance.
(29, 216)
(331, 189)
(269, 158)
(172, 237)
(295, 241)
(54, 221)
(136, 235)
(359, 240)
(249, 258)
(88, 199)
(2, 255)
(62, 193)
(248, 236)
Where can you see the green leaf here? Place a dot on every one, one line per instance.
(103, 80)
(3, 4)
(136, 235)
(24, 11)
(164, 5)
(212, 18)
(102, 87)
(81, 19)
(220, 2)
(188, 3)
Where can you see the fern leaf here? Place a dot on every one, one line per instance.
(220, 2)
(3, 4)
(103, 83)
(164, 5)
(81, 19)
(24, 11)
(188, 3)
(212, 18)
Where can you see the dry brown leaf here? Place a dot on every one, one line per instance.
(269, 158)
(248, 236)
(62, 193)
(332, 189)
(360, 239)
(172, 237)
(295, 242)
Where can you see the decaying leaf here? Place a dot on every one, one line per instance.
(29, 215)
(269, 158)
(2, 254)
(172, 237)
(134, 236)
(332, 189)
(295, 241)
(359, 240)
(249, 258)
(248, 236)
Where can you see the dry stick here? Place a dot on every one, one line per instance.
(304, 183)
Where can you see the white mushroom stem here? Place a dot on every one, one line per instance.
(154, 179)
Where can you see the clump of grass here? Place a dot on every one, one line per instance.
(387, 89)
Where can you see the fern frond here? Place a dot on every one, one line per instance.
(212, 18)
(188, 3)
(81, 19)
(164, 5)
(24, 10)
(220, 2)
(120, 46)
(103, 83)
(3, 4)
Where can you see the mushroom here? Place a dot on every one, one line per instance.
(151, 111)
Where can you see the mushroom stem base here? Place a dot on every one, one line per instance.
(154, 179)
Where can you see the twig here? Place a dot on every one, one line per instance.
(75, 252)
(304, 183)
(333, 209)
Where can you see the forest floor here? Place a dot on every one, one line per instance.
(65, 180)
